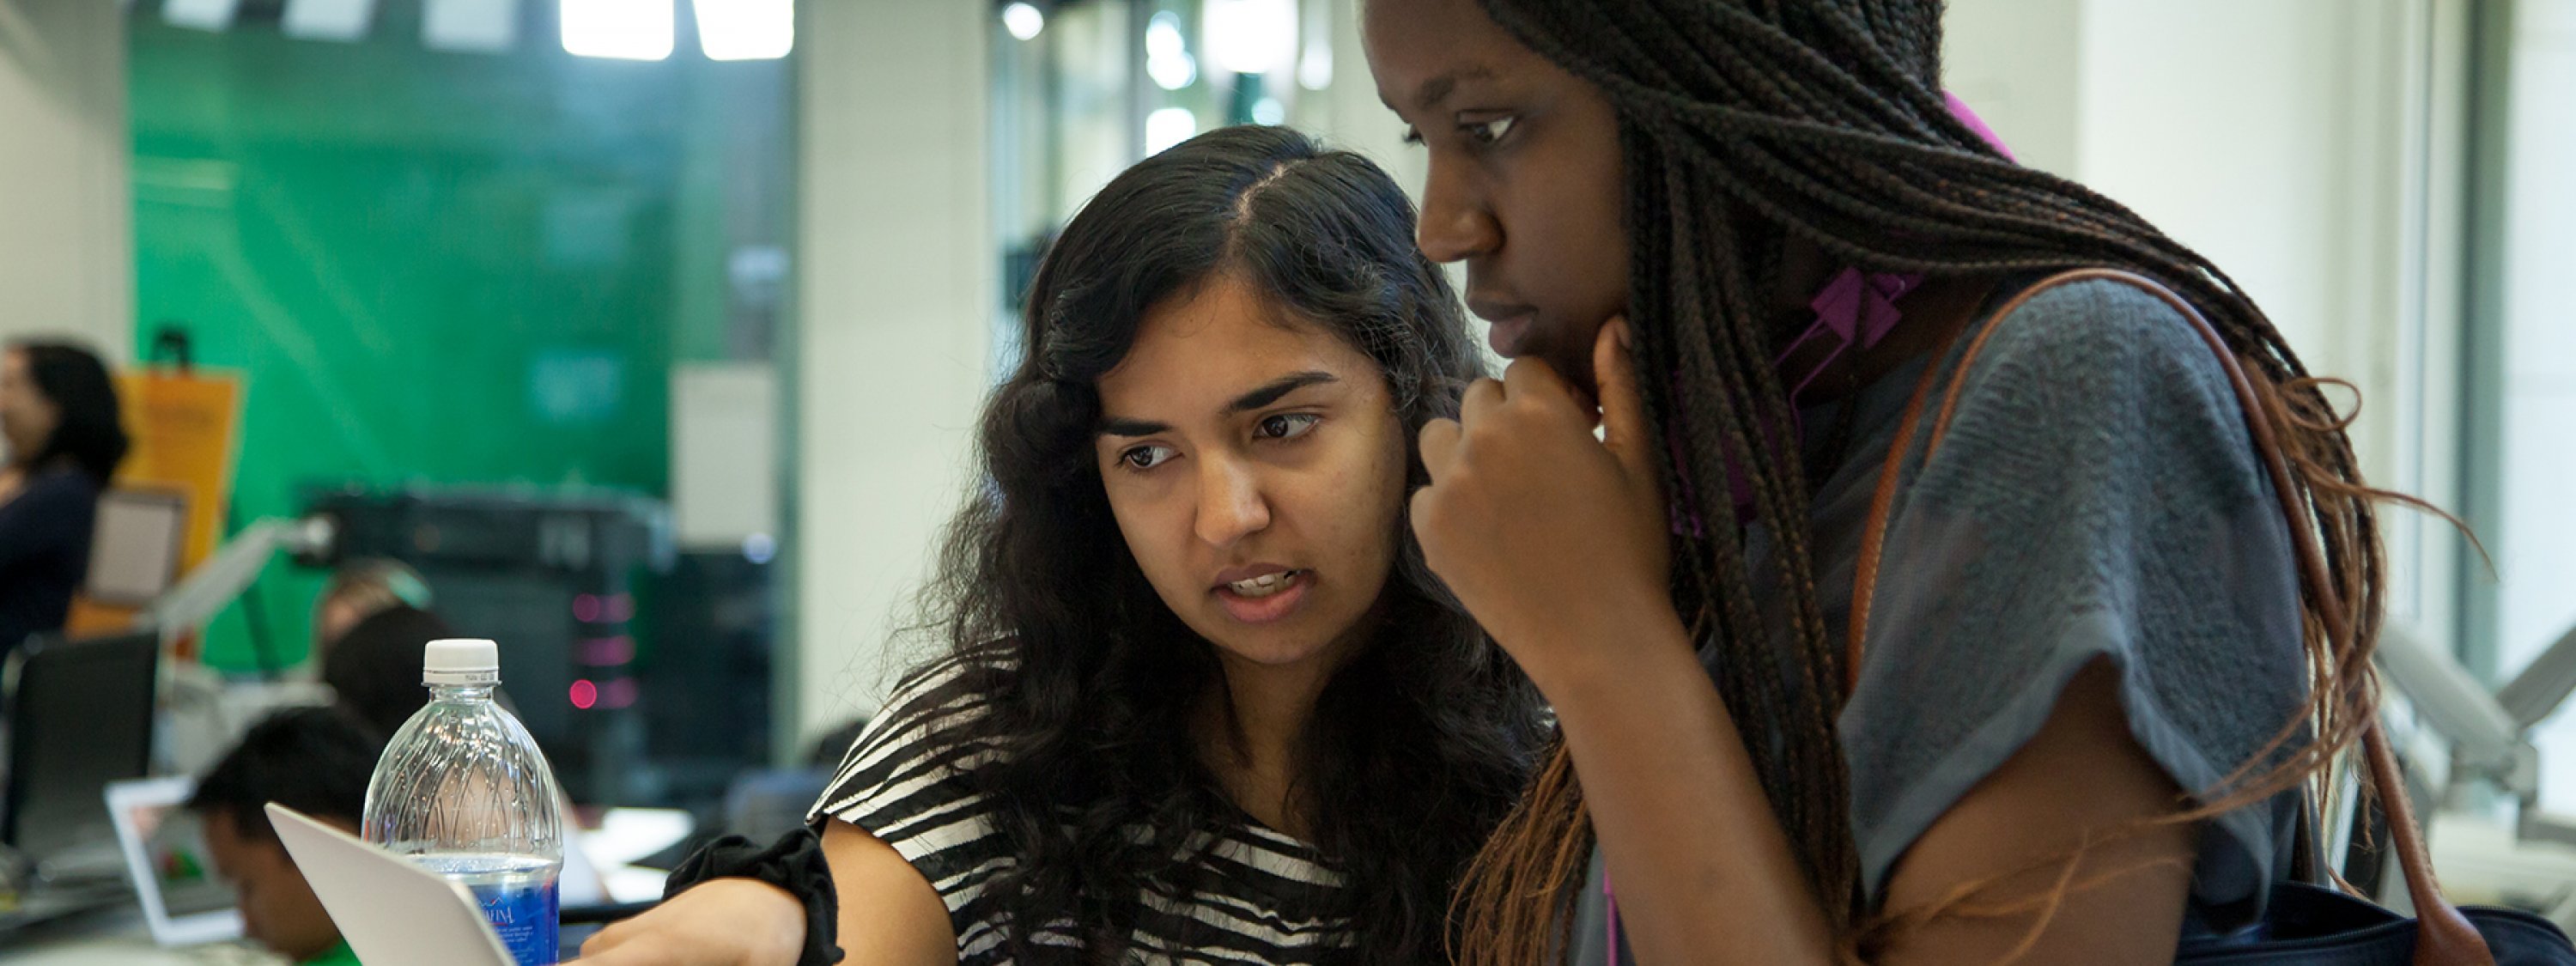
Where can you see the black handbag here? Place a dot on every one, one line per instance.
(2305, 924)
(2301, 923)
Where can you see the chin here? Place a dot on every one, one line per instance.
(1271, 648)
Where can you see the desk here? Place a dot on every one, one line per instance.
(116, 936)
(626, 835)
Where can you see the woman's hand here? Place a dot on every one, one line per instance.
(1548, 535)
(721, 922)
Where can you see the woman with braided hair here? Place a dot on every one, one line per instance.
(2075, 725)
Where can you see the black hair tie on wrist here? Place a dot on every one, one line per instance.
(793, 863)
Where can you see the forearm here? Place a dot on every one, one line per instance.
(1703, 872)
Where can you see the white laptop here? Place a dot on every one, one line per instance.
(184, 902)
(393, 913)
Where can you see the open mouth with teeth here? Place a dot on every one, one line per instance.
(1266, 584)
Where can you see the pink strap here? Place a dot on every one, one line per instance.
(1959, 109)
(1612, 901)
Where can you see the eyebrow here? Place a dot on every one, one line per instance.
(1270, 392)
(1438, 89)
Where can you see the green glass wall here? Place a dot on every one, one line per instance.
(447, 268)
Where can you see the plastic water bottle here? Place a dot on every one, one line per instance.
(463, 791)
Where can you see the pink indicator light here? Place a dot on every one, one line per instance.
(619, 693)
(584, 694)
(608, 651)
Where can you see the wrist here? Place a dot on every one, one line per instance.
(793, 868)
(770, 910)
(1576, 659)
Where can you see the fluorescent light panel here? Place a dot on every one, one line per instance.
(619, 29)
(341, 20)
(746, 29)
(470, 26)
(200, 14)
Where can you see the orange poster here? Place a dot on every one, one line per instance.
(186, 431)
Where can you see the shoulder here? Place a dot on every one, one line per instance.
(62, 487)
(52, 508)
(931, 709)
(908, 781)
(2103, 336)
(919, 750)
(2097, 378)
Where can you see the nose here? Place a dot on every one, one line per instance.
(1230, 502)
(1456, 223)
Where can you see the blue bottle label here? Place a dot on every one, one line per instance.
(525, 917)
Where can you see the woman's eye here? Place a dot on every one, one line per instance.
(1288, 425)
(1488, 132)
(1146, 457)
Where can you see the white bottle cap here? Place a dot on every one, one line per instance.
(461, 661)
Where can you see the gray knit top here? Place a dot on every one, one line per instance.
(2097, 496)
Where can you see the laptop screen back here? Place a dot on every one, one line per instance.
(79, 717)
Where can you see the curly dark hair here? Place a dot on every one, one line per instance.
(1417, 746)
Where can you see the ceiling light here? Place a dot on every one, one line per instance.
(341, 20)
(200, 14)
(1250, 36)
(1167, 127)
(746, 29)
(470, 26)
(618, 29)
(1023, 21)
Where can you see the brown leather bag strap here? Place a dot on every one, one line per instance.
(2443, 936)
(1873, 537)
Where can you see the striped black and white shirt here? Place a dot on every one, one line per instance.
(1256, 896)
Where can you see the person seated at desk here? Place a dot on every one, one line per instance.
(315, 761)
(59, 420)
(1200, 700)
(374, 665)
(373, 669)
(358, 590)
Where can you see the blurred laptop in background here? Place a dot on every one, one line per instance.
(77, 716)
(184, 901)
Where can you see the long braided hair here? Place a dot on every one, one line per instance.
(1823, 121)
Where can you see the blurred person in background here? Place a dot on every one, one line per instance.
(315, 761)
(361, 589)
(374, 665)
(370, 627)
(65, 436)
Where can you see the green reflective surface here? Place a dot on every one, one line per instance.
(445, 268)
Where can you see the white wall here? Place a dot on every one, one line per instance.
(896, 289)
(1348, 113)
(2015, 62)
(2287, 141)
(66, 219)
